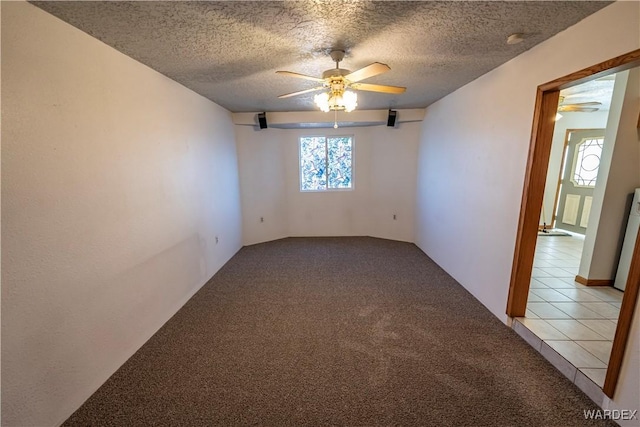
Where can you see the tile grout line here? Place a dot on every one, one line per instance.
(558, 261)
(574, 376)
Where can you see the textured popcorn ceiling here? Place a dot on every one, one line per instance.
(229, 51)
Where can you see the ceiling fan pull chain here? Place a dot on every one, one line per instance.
(335, 119)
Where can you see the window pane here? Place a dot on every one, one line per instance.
(313, 167)
(587, 162)
(339, 155)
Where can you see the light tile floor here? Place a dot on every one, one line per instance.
(577, 321)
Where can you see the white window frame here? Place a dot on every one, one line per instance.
(326, 154)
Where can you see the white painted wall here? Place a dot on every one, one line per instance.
(617, 180)
(473, 155)
(262, 174)
(115, 182)
(596, 120)
(384, 184)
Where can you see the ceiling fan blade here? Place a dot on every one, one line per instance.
(586, 103)
(576, 109)
(368, 71)
(583, 95)
(287, 95)
(378, 88)
(300, 76)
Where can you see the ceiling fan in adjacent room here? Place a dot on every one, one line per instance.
(336, 83)
(579, 107)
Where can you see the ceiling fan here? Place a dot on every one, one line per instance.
(582, 107)
(337, 81)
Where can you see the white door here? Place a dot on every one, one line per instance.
(582, 162)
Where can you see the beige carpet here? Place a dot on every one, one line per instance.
(335, 331)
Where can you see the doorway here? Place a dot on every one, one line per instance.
(583, 150)
(543, 125)
(577, 322)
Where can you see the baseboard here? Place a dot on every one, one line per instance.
(593, 282)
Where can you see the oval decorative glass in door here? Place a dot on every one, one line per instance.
(586, 162)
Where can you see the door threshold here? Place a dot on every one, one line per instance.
(566, 368)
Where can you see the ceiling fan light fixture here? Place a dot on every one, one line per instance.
(336, 101)
(350, 100)
(322, 101)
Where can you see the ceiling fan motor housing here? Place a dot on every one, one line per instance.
(335, 72)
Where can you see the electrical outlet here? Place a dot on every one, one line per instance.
(216, 240)
(261, 219)
(394, 216)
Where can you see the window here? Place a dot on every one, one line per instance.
(586, 162)
(326, 163)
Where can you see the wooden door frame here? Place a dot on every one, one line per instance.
(546, 105)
